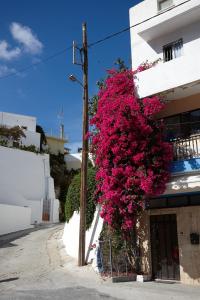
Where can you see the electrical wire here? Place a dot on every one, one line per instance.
(90, 45)
(36, 63)
(135, 25)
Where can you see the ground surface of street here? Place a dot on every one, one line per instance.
(35, 266)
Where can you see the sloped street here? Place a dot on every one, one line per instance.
(35, 266)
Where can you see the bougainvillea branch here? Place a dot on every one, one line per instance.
(131, 156)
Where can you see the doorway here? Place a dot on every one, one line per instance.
(164, 247)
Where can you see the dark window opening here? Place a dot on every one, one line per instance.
(182, 125)
(172, 50)
(173, 201)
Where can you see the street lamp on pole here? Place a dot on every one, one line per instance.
(74, 79)
(84, 164)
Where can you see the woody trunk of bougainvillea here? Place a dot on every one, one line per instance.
(132, 157)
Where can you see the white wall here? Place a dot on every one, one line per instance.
(148, 39)
(10, 120)
(183, 183)
(55, 211)
(178, 78)
(149, 8)
(185, 24)
(25, 180)
(71, 235)
(32, 138)
(24, 171)
(14, 218)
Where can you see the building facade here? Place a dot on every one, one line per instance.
(26, 123)
(167, 32)
(27, 188)
(56, 144)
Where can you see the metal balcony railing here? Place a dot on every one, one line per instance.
(186, 147)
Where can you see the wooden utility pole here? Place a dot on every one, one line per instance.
(84, 165)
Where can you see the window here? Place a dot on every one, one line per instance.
(174, 201)
(182, 125)
(172, 50)
(164, 4)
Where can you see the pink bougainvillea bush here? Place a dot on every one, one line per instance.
(132, 158)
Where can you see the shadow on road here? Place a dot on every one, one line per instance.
(7, 239)
(9, 279)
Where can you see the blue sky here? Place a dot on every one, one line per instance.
(31, 30)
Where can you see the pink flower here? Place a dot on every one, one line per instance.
(131, 156)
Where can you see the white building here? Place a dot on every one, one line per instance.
(26, 188)
(169, 30)
(27, 123)
(73, 160)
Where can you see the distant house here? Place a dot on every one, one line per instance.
(56, 144)
(27, 190)
(73, 160)
(26, 123)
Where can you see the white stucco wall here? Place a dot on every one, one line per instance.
(148, 39)
(160, 30)
(25, 181)
(25, 171)
(14, 218)
(183, 183)
(55, 211)
(32, 138)
(71, 235)
(10, 120)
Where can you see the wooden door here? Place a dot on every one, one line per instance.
(46, 210)
(164, 247)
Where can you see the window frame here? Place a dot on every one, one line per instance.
(163, 9)
(173, 47)
(173, 201)
(189, 125)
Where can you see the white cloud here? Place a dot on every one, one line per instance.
(6, 53)
(4, 70)
(26, 37)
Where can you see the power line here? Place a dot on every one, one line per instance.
(90, 45)
(36, 63)
(135, 25)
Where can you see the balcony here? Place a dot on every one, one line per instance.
(159, 23)
(177, 78)
(186, 148)
(186, 154)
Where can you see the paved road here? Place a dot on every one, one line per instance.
(35, 266)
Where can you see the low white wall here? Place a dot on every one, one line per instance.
(14, 218)
(71, 235)
(12, 196)
(185, 69)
